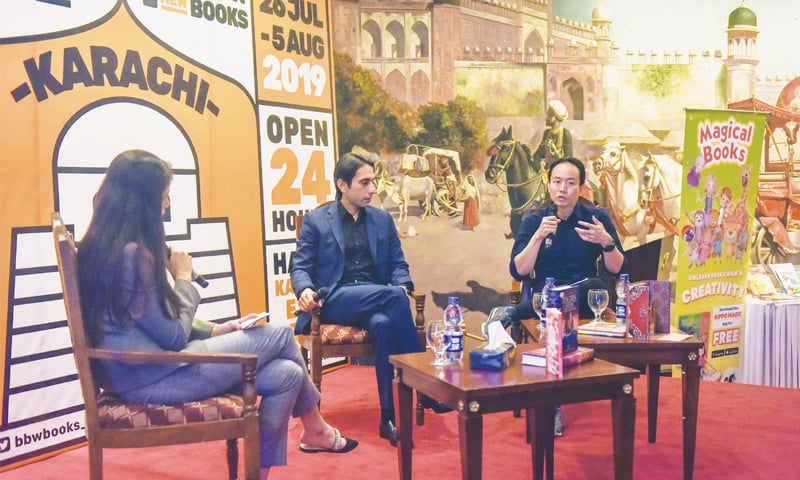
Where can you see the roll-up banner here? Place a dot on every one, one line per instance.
(236, 94)
(722, 157)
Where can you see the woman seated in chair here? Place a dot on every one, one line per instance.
(129, 303)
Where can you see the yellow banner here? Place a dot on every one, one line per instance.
(236, 94)
(722, 157)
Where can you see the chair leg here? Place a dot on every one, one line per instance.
(252, 444)
(316, 368)
(233, 459)
(304, 353)
(95, 461)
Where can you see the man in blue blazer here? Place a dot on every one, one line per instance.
(353, 250)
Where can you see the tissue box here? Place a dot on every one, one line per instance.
(492, 358)
(649, 306)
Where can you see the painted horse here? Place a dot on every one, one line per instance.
(525, 182)
(657, 181)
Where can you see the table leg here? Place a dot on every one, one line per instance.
(653, 381)
(470, 429)
(623, 418)
(542, 423)
(404, 426)
(691, 396)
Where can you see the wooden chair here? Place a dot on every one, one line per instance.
(328, 340)
(114, 423)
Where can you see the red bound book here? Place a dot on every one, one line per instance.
(538, 357)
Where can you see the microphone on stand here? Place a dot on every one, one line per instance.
(198, 279)
(319, 295)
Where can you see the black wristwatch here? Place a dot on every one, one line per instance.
(610, 248)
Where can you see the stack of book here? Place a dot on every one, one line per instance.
(538, 357)
(603, 329)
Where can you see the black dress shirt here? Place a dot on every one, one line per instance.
(358, 264)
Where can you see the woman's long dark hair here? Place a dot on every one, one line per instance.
(127, 210)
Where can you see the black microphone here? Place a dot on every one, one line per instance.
(318, 295)
(198, 279)
(548, 240)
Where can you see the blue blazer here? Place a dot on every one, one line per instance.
(318, 260)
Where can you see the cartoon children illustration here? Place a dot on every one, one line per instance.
(741, 245)
(692, 243)
(693, 177)
(704, 249)
(698, 223)
(715, 227)
(730, 235)
(725, 199)
(711, 194)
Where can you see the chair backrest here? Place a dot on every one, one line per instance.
(67, 256)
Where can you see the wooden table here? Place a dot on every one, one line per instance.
(653, 353)
(473, 393)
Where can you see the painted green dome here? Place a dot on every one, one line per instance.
(742, 16)
(600, 12)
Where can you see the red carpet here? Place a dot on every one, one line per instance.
(744, 432)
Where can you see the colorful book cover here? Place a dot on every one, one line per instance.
(649, 308)
(759, 281)
(538, 357)
(553, 347)
(787, 277)
(565, 299)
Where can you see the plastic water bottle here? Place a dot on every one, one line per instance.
(452, 317)
(622, 299)
(549, 282)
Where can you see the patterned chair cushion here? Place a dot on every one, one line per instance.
(339, 335)
(115, 413)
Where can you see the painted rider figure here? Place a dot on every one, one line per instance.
(556, 141)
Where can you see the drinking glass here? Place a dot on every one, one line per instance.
(598, 301)
(438, 341)
(537, 304)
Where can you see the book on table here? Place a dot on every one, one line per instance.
(759, 280)
(787, 277)
(603, 329)
(538, 357)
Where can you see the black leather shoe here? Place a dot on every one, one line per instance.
(388, 431)
(437, 407)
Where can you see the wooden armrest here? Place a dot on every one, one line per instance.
(171, 357)
(417, 296)
(419, 307)
(247, 360)
(419, 318)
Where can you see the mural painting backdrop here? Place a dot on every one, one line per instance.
(626, 73)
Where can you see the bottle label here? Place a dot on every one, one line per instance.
(622, 311)
(456, 342)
